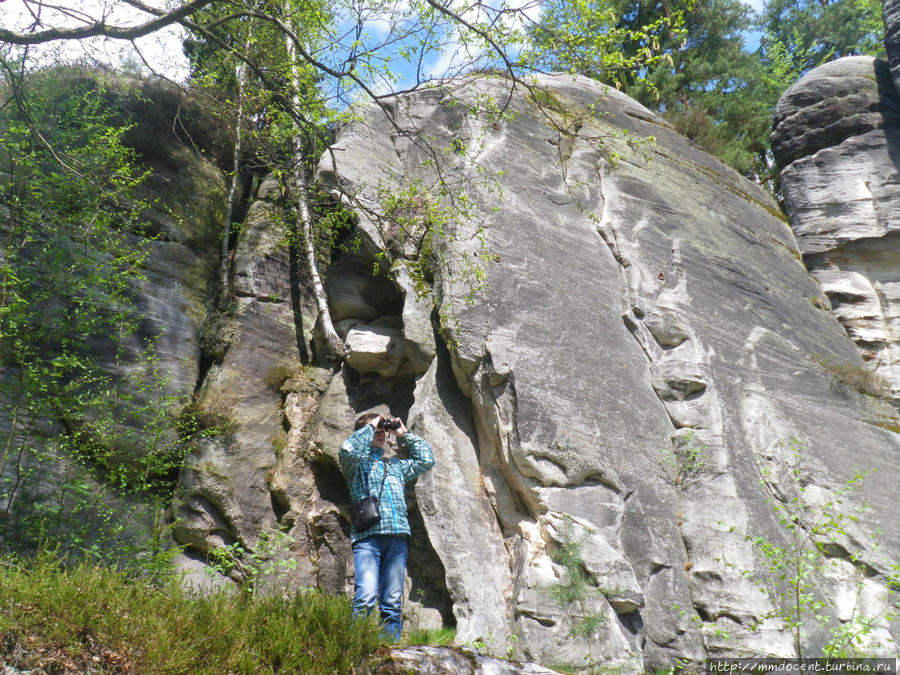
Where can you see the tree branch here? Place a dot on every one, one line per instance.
(100, 28)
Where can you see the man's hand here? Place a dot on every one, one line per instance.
(401, 430)
(374, 422)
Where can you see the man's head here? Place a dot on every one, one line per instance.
(378, 440)
(363, 420)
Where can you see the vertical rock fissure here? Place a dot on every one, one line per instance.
(697, 458)
(428, 574)
(607, 232)
(459, 516)
(885, 363)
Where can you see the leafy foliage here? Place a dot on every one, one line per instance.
(254, 41)
(84, 616)
(81, 427)
(259, 568)
(820, 535)
(577, 586)
(683, 463)
(594, 39)
(688, 60)
(803, 34)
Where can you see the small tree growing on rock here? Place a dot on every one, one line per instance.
(822, 540)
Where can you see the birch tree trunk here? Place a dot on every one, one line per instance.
(298, 186)
(224, 263)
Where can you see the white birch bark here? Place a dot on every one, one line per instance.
(298, 185)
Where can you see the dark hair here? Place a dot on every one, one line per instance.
(363, 420)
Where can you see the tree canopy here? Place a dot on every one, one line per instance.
(684, 58)
(702, 76)
(698, 76)
(799, 35)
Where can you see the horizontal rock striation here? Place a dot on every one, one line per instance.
(837, 138)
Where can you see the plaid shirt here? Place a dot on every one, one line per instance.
(361, 461)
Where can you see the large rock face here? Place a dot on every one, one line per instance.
(837, 138)
(635, 391)
(614, 349)
(638, 376)
(185, 193)
(890, 13)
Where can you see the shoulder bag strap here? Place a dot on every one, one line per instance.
(383, 478)
(366, 473)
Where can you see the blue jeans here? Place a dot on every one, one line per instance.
(379, 568)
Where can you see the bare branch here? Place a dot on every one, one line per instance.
(100, 28)
(454, 16)
(72, 13)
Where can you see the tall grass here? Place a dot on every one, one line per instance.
(89, 619)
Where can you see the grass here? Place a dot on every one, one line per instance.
(93, 620)
(88, 619)
(855, 377)
(440, 637)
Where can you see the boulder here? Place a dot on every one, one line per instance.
(378, 348)
(836, 138)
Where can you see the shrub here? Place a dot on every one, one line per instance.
(85, 618)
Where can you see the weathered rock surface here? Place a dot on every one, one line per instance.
(631, 376)
(837, 138)
(890, 13)
(387, 661)
(635, 381)
(614, 349)
(182, 262)
(185, 193)
(226, 492)
(446, 661)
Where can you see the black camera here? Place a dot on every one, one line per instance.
(388, 424)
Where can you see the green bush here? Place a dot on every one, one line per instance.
(85, 618)
(90, 447)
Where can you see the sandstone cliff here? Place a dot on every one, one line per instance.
(613, 345)
(645, 373)
(836, 135)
